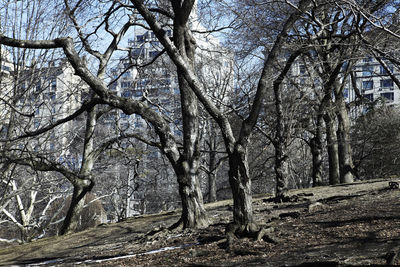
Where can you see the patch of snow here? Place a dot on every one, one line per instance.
(53, 261)
(139, 254)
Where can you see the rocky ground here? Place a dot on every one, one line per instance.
(349, 225)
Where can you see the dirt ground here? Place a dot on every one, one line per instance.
(349, 225)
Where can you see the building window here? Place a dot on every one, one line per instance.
(367, 85)
(140, 38)
(153, 54)
(387, 83)
(346, 92)
(53, 84)
(143, 83)
(125, 84)
(137, 93)
(137, 52)
(127, 93)
(167, 81)
(155, 43)
(370, 97)
(367, 59)
(52, 96)
(367, 70)
(38, 86)
(126, 74)
(388, 96)
(302, 69)
(384, 72)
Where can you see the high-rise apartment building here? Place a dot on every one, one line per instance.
(37, 96)
(374, 81)
(371, 80)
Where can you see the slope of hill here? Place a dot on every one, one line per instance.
(346, 225)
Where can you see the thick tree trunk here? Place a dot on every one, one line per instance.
(333, 156)
(281, 157)
(344, 147)
(212, 186)
(240, 183)
(316, 152)
(193, 212)
(281, 169)
(82, 186)
(73, 217)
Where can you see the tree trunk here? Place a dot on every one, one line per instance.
(240, 182)
(193, 212)
(212, 186)
(333, 156)
(344, 146)
(82, 186)
(316, 152)
(72, 219)
(212, 178)
(281, 157)
(281, 169)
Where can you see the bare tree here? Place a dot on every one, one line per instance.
(30, 205)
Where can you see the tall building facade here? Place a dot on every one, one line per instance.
(375, 82)
(371, 80)
(36, 96)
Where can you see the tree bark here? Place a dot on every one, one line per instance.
(344, 144)
(82, 184)
(212, 178)
(240, 182)
(281, 165)
(72, 219)
(193, 212)
(212, 145)
(281, 170)
(333, 156)
(316, 152)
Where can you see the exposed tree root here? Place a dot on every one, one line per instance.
(282, 198)
(250, 230)
(161, 231)
(178, 226)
